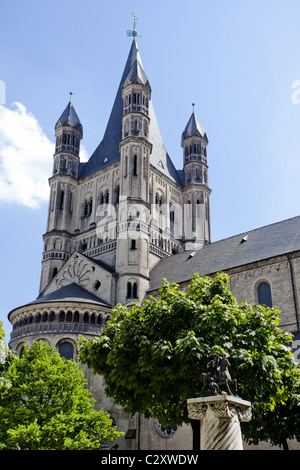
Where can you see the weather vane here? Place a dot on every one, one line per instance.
(133, 32)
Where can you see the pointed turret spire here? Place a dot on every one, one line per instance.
(69, 116)
(68, 132)
(137, 74)
(194, 127)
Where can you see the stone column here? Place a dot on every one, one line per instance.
(220, 417)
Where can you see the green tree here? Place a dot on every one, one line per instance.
(3, 347)
(6, 357)
(153, 354)
(47, 405)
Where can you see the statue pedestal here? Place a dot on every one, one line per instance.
(220, 417)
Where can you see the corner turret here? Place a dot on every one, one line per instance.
(196, 193)
(68, 133)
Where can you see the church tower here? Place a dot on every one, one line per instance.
(112, 221)
(196, 191)
(63, 188)
(132, 261)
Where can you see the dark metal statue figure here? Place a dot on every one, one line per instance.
(219, 375)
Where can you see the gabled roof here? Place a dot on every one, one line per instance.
(69, 117)
(256, 245)
(79, 261)
(194, 128)
(107, 152)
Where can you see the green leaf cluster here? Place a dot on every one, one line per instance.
(48, 406)
(152, 355)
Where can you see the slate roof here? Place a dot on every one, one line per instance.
(72, 292)
(256, 245)
(69, 114)
(107, 152)
(137, 72)
(193, 127)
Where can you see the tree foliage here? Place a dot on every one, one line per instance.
(152, 355)
(47, 405)
(6, 357)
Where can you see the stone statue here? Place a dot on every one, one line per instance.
(219, 375)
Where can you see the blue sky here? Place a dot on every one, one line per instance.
(238, 61)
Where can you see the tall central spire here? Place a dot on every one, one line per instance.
(108, 150)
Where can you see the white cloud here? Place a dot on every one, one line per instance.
(84, 156)
(25, 158)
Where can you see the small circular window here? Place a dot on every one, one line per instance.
(97, 285)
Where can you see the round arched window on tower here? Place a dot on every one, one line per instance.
(66, 350)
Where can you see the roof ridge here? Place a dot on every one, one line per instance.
(255, 229)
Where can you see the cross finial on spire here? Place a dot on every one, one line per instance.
(135, 19)
(133, 32)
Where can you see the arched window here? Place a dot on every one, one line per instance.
(125, 166)
(135, 165)
(85, 208)
(86, 318)
(90, 206)
(66, 350)
(62, 196)
(129, 290)
(117, 194)
(132, 290)
(69, 316)
(54, 272)
(264, 294)
(71, 203)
